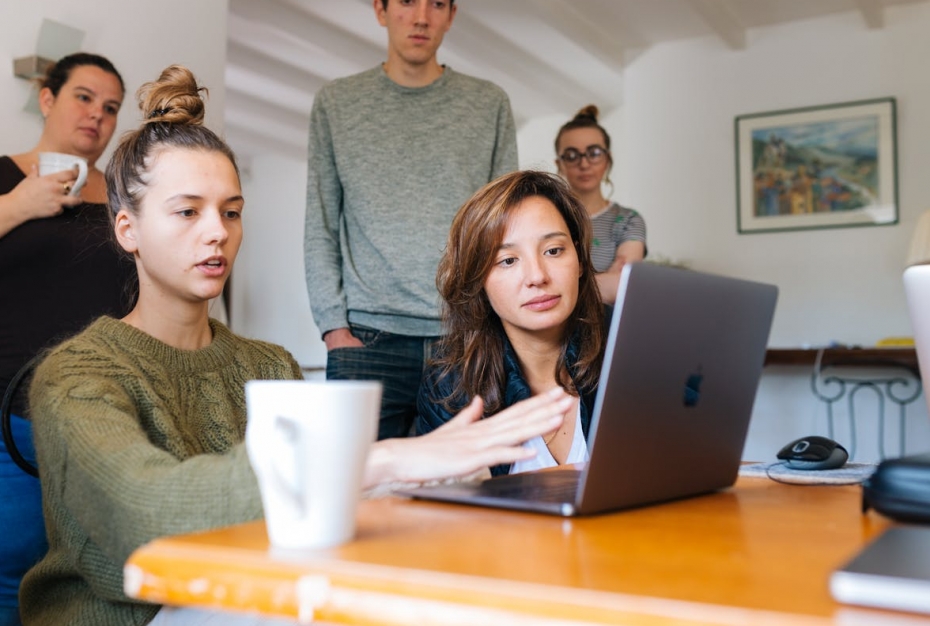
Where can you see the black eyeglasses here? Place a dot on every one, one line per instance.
(595, 154)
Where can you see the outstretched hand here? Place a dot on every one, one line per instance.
(468, 443)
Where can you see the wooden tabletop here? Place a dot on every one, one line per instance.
(758, 553)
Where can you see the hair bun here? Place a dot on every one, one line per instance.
(589, 112)
(174, 98)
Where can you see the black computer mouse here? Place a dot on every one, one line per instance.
(813, 453)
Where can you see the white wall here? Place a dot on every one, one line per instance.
(835, 285)
(269, 293)
(140, 38)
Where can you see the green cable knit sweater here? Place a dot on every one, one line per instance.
(136, 440)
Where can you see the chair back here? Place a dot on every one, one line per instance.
(6, 406)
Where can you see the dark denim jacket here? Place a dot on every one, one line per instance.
(432, 415)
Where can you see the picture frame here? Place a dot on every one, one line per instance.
(828, 166)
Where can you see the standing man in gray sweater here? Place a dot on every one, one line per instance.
(394, 151)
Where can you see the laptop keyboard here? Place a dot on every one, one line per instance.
(547, 486)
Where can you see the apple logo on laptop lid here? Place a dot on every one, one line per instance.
(693, 388)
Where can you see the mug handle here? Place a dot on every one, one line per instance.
(287, 467)
(81, 179)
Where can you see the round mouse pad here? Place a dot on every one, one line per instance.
(849, 474)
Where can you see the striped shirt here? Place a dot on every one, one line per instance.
(611, 227)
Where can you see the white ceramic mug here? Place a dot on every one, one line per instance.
(51, 162)
(308, 443)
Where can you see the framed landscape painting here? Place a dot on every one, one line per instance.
(817, 167)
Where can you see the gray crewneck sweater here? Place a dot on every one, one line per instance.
(389, 166)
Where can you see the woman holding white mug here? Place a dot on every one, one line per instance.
(79, 99)
(58, 271)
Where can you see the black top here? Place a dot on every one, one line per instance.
(57, 275)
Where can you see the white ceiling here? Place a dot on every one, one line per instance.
(281, 51)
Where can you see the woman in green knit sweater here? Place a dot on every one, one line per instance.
(139, 422)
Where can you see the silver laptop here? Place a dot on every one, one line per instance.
(682, 364)
(892, 572)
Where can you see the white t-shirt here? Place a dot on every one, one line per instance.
(544, 458)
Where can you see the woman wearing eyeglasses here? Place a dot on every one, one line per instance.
(619, 233)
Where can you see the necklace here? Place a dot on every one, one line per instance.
(555, 433)
(548, 440)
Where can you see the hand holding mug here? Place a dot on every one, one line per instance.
(52, 162)
(37, 197)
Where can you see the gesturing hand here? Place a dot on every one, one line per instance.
(468, 443)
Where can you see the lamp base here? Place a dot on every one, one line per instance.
(917, 293)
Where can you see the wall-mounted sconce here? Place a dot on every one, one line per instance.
(55, 41)
(31, 67)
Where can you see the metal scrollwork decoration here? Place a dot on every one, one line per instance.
(900, 384)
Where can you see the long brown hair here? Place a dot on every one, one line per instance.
(474, 344)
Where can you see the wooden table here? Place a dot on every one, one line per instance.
(759, 553)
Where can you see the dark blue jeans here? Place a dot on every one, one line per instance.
(398, 361)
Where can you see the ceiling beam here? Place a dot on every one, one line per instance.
(602, 43)
(266, 124)
(722, 21)
(256, 61)
(242, 102)
(294, 99)
(481, 45)
(298, 53)
(246, 141)
(253, 72)
(872, 13)
(300, 25)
